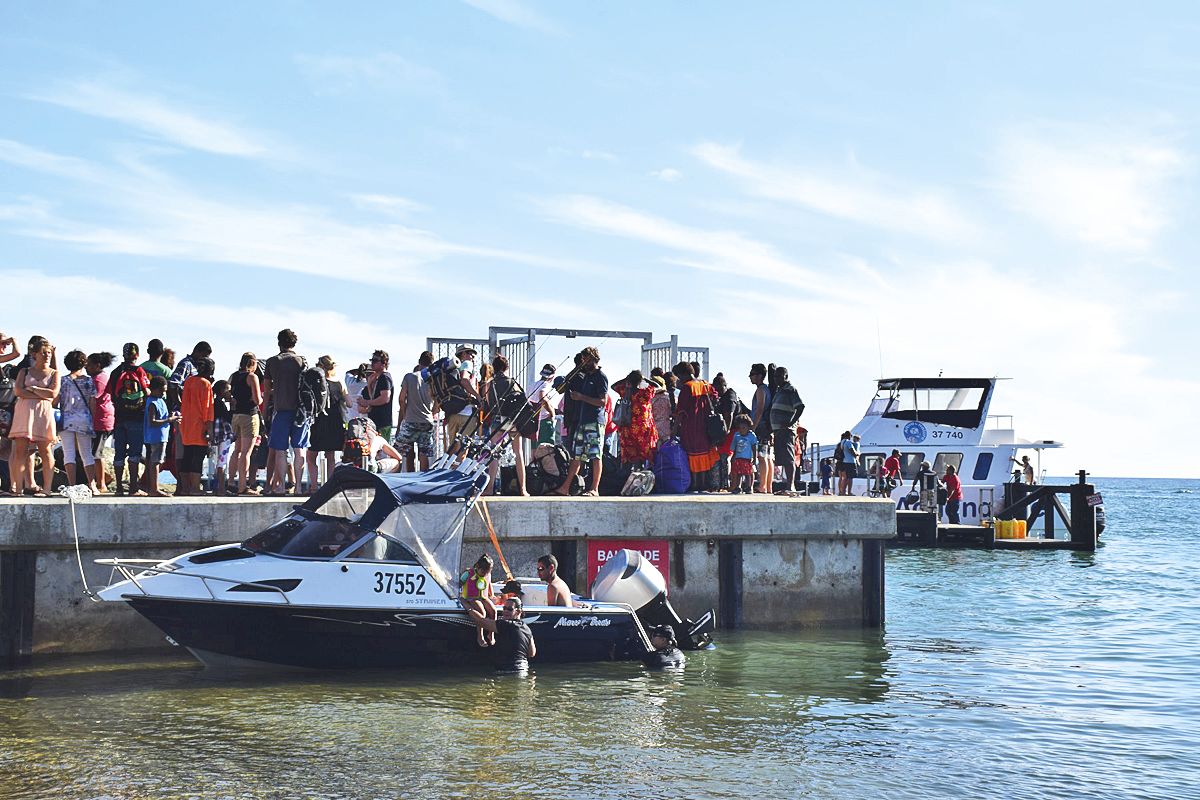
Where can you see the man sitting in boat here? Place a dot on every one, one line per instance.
(557, 593)
(514, 640)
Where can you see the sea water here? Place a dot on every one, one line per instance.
(998, 674)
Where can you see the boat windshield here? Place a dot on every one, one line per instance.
(434, 532)
(303, 534)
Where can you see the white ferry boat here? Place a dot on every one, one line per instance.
(944, 421)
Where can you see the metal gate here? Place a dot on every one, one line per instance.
(521, 352)
(666, 355)
(443, 348)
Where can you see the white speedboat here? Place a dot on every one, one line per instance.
(364, 574)
(947, 422)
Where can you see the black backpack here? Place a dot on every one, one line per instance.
(313, 395)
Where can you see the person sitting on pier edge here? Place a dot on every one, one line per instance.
(926, 481)
(514, 643)
(1026, 469)
(953, 494)
(557, 593)
(665, 653)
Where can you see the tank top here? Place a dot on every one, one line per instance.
(243, 403)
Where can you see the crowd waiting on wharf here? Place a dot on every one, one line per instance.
(149, 411)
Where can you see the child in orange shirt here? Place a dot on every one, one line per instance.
(196, 409)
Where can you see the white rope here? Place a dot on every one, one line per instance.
(75, 494)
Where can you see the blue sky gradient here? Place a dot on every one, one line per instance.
(981, 189)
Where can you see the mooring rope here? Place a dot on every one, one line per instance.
(486, 516)
(74, 494)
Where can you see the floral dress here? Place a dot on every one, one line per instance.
(640, 439)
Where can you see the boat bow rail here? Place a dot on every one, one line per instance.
(131, 569)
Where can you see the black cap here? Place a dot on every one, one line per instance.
(512, 587)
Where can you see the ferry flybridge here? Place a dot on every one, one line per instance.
(947, 422)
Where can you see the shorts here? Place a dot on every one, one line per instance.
(100, 441)
(463, 424)
(222, 445)
(284, 432)
(193, 458)
(785, 446)
(848, 469)
(743, 468)
(156, 453)
(586, 442)
(418, 433)
(245, 426)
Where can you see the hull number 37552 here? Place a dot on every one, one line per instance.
(399, 583)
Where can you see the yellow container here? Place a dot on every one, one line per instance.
(1020, 532)
(1002, 528)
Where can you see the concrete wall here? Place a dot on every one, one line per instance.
(799, 560)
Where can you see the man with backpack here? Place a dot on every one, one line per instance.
(786, 408)
(281, 388)
(416, 415)
(376, 401)
(129, 386)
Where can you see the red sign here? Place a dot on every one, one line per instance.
(658, 551)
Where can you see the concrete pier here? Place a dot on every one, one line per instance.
(760, 561)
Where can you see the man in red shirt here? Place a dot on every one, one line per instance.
(953, 494)
(891, 473)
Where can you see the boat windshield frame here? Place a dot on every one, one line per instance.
(956, 417)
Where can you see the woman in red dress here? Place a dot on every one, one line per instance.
(639, 439)
(697, 401)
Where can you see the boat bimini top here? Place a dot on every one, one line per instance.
(958, 402)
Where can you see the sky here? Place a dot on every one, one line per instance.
(851, 190)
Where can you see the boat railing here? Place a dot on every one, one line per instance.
(130, 568)
(998, 422)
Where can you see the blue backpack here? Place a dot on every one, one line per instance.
(671, 473)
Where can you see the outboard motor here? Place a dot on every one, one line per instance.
(628, 577)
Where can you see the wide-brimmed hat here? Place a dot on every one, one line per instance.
(465, 348)
(658, 381)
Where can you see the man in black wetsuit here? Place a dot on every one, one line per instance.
(665, 653)
(514, 641)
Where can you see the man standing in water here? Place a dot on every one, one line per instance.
(557, 593)
(514, 641)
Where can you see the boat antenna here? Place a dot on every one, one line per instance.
(879, 343)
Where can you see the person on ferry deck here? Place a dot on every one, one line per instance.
(953, 494)
(514, 641)
(1026, 468)
(557, 593)
(891, 473)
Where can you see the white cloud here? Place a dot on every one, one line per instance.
(599, 155)
(332, 74)
(695, 248)
(158, 117)
(1104, 190)
(515, 13)
(666, 174)
(231, 329)
(157, 216)
(388, 204)
(853, 195)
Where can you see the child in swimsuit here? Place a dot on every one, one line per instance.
(477, 595)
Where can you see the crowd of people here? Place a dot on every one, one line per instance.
(150, 413)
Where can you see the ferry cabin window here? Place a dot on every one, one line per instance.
(910, 465)
(303, 536)
(382, 548)
(982, 467)
(947, 459)
(870, 464)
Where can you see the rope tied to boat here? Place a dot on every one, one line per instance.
(74, 494)
(486, 516)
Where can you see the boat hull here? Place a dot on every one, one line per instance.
(338, 638)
